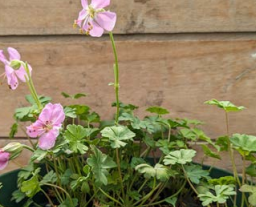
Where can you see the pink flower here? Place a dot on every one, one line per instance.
(47, 126)
(13, 69)
(4, 159)
(93, 19)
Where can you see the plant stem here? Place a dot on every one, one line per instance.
(111, 198)
(48, 198)
(55, 186)
(116, 72)
(32, 87)
(119, 171)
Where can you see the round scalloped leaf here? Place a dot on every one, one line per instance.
(157, 110)
(226, 105)
(244, 142)
(182, 156)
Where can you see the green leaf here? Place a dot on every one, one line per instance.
(100, 163)
(181, 156)
(252, 191)
(209, 153)
(137, 161)
(171, 201)
(18, 196)
(220, 195)
(31, 186)
(75, 135)
(80, 109)
(50, 177)
(226, 105)
(70, 112)
(117, 134)
(39, 155)
(251, 170)
(223, 143)
(161, 172)
(244, 142)
(226, 180)
(75, 96)
(189, 134)
(68, 203)
(65, 178)
(42, 99)
(195, 173)
(14, 130)
(157, 110)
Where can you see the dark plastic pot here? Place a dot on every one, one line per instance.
(9, 181)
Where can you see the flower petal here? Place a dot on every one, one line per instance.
(4, 158)
(36, 129)
(96, 30)
(84, 3)
(21, 73)
(99, 4)
(47, 140)
(106, 20)
(12, 79)
(13, 54)
(2, 57)
(58, 115)
(82, 15)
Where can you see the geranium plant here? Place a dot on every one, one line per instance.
(80, 160)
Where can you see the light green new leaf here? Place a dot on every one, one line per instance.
(195, 173)
(220, 195)
(117, 134)
(244, 142)
(75, 135)
(252, 191)
(181, 156)
(157, 110)
(50, 177)
(171, 201)
(161, 172)
(226, 105)
(30, 187)
(100, 163)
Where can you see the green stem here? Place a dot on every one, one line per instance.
(28, 148)
(48, 198)
(119, 171)
(60, 188)
(32, 87)
(174, 195)
(116, 72)
(111, 198)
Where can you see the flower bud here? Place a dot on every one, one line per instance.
(14, 148)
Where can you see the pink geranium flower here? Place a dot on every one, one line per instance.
(93, 19)
(12, 73)
(47, 126)
(4, 159)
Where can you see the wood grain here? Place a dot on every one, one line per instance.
(55, 17)
(176, 73)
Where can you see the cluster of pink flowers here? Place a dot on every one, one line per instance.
(93, 20)
(11, 72)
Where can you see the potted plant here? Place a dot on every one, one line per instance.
(80, 160)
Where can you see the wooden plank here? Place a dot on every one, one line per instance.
(36, 17)
(176, 73)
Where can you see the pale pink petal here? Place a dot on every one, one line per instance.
(82, 15)
(2, 57)
(106, 20)
(58, 115)
(12, 79)
(47, 140)
(99, 4)
(4, 158)
(46, 113)
(36, 129)
(84, 3)
(96, 31)
(13, 54)
(21, 73)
